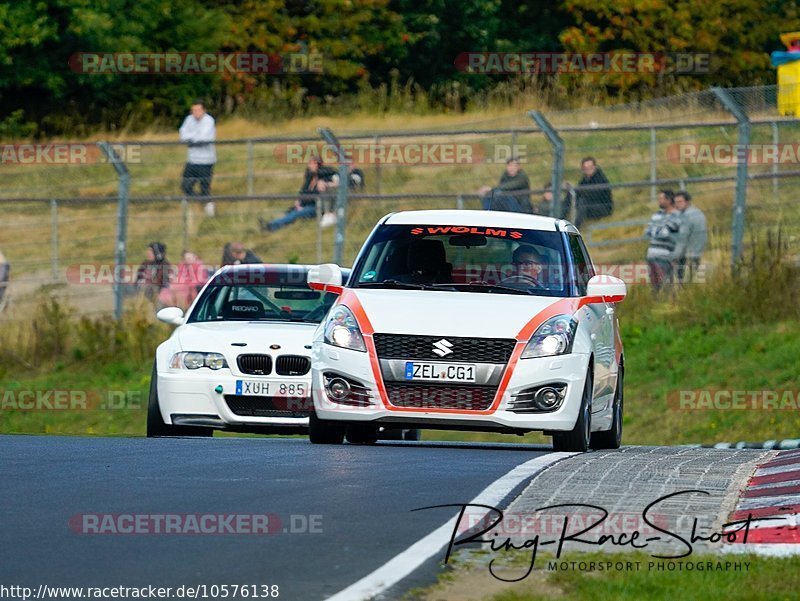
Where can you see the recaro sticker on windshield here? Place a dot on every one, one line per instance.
(463, 229)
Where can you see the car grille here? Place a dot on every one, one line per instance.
(259, 406)
(438, 396)
(256, 365)
(292, 365)
(464, 350)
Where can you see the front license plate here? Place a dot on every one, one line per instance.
(440, 372)
(273, 389)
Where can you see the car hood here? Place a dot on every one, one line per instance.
(256, 336)
(445, 313)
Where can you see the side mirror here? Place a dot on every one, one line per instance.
(606, 289)
(171, 315)
(325, 278)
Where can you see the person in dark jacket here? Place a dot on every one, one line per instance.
(235, 253)
(512, 192)
(317, 179)
(153, 275)
(596, 202)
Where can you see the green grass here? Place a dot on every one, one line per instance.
(765, 579)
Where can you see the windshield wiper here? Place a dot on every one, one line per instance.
(393, 284)
(486, 286)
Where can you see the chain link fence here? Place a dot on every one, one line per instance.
(73, 218)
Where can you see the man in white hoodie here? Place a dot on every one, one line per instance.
(199, 132)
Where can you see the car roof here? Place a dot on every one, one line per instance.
(478, 219)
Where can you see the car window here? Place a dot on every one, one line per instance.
(268, 302)
(462, 258)
(584, 270)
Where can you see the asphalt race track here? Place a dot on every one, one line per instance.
(364, 496)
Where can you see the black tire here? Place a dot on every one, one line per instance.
(612, 438)
(411, 434)
(324, 432)
(577, 440)
(362, 434)
(156, 428)
(390, 434)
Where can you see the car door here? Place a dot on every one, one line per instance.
(600, 324)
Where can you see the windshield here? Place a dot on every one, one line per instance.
(288, 302)
(463, 258)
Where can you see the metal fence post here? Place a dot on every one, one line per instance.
(54, 237)
(377, 143)
(120, 255)
(185, 216)
(653, 164)
(741, 170)
(250, 168)
(776, 140)
(558, 159)
(341, 193)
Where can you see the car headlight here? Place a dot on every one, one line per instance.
(196, 360)
(341, 329)
(553, 337)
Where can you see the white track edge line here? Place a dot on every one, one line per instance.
(409, 560)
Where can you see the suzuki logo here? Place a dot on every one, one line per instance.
(442, 348)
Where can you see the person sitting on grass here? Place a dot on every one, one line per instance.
(317, 180)
(235, 253)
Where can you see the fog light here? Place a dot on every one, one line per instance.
(548, 397)
(338, 389)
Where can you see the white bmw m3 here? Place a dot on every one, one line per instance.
(470, 320)
(240, 358)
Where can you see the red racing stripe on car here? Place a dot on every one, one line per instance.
(563, 306)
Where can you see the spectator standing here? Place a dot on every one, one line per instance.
(596, 202)
(318, 179)
(662, 231)
(692, 237)
(199, 132)
(235, 253)
(512, 192)
(153, 276)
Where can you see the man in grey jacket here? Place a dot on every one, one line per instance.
(662, 231)
(692, 237)
(199, 132)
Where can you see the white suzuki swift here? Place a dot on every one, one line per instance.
(470, 320)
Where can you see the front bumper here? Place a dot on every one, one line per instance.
(526, 374)
(193, 400)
